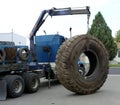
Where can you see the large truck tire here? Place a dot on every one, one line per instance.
(67, 64)
(24, 54)
(32, 82)
(2, 55)
(15, 85)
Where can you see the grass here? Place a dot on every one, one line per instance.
(114, 65)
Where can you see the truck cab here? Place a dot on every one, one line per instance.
(47, 47)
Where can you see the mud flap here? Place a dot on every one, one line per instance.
(3, 89)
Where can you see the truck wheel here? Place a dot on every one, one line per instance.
(67, 64)
(15, 85)
(32, 82)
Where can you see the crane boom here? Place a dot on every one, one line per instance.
(52, 12)
(57, 12)
(69, 11)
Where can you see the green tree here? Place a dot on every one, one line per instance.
(117, 37)
(100, 30)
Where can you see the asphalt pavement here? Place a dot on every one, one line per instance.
(109, 94)
(114, 70)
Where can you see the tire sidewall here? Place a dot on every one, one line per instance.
(96, 78)
(21, 56)
(67, 64)
(29, 77)
(3, 55)
(11, 79)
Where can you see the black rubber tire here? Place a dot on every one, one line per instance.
(14, 81)
(32, 82)
(25, 56)
(67, 64)
(2, 55)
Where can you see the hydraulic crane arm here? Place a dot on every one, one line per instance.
(52, 12)
(57, 12)
(69, 11)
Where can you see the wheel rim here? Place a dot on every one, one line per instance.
(81, 71)
(18, 86)
(34, 83)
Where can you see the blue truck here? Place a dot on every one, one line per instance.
(52, 56)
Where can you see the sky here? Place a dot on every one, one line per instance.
(21, 15)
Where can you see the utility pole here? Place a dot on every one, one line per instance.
(12, 35)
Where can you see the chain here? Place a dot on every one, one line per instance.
(88, 17)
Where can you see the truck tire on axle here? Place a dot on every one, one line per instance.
(32, 82)
(15, 85)
(67, 64)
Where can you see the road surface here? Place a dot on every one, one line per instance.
(109, 94)
(114, 70)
